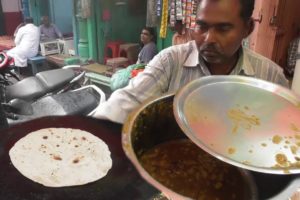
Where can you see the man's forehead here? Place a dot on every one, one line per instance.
(222, 9)
(204, 3)
(220, 2)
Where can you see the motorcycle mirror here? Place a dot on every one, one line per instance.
(21, 107)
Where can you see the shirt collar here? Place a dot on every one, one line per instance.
(193, 55)
(243, 66)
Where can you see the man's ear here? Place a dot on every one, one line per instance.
(250, 25)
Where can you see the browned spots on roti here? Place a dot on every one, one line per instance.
(57, 157)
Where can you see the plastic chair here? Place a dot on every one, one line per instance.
(111, 50)
(35, 61)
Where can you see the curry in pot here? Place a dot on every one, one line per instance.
(186, 169)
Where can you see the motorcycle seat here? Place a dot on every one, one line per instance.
(55, 79)
(80, 102)
(32, 88)
(26, 89)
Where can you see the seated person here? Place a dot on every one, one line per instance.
(48, 30)
(27, 43)
(181, 35)
(121, 77)
(18, 27)
(149, 50)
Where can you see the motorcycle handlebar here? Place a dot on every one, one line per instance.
(11, 116)
(3, 59)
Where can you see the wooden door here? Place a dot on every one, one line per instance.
(277, 22)
(286, 29)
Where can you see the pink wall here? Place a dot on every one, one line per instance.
(12, 20)
(12, 15)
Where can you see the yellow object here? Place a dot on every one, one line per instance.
(164, 20)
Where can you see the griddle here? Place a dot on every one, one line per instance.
(121, 182)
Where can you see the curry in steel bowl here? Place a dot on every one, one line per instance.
(169, 161)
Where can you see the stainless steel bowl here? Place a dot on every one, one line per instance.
(152, 124)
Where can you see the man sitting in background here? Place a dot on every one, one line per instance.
(27, 43)
(182, 34)
(48, 30)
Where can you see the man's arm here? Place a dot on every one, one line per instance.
(57, 31)
(150, 83)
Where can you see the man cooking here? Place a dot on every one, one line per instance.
(221, 25)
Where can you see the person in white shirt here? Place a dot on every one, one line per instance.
(27, 42)
(221, 25)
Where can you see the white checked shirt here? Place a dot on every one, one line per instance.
(173, 68)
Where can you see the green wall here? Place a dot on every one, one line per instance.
(127, 26)
(61, 13)
(38, 8)
(126, 22)
(163, 43)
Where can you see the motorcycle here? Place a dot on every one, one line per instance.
(52, 92)
(43, 83)
(81, 101)
(7, 69)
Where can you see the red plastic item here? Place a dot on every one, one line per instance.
(3, 60)
(112, 50)
(106, 16)
(135, 72)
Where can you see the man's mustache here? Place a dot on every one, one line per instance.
(209, 47)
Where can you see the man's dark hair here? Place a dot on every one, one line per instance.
(247, 7)
(28, 20)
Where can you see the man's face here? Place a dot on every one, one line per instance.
(219, 30)
(45, 21)
(146, 37)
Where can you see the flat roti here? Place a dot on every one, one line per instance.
(58, 157)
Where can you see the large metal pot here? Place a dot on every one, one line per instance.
(152, 124)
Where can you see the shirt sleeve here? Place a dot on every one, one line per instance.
(149, 83)
(147, 53)
(57, 31)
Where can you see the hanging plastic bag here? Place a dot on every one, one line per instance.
(122, 77)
